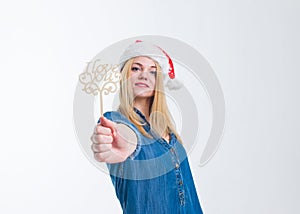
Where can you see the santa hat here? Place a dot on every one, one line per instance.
(142, 48)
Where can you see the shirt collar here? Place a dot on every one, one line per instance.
(147, 127)
(141, 115)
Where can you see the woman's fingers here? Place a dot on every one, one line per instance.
(99, 129)
(102, 156)
(101, 139)
(100, 148)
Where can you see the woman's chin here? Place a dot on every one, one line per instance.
(143, 94)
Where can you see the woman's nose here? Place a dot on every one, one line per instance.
(143, 75)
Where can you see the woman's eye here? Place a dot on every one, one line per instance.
(135, 69)
(153, 72)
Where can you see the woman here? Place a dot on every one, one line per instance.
(150, 172)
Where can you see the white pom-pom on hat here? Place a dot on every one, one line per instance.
(173, 84)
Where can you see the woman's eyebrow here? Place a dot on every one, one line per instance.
(138, 64)
(152, 66)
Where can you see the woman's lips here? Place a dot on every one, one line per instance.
(141, 84)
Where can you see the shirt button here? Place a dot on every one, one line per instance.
(177, 165)
(180, 182)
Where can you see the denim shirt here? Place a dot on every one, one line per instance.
(156, 178)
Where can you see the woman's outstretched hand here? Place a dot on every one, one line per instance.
(112, 142)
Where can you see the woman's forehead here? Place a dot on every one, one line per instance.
(144, 60)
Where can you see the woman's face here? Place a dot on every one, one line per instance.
(143, 76)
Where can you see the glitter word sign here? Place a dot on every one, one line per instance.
(100, 79)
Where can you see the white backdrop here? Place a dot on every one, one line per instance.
(253, 46)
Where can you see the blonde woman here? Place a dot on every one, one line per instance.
(148, 164)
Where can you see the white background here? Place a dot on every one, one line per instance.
(253, 46)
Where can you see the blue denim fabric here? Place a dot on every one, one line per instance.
(156, 178)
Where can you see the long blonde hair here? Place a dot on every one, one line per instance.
(161, 121)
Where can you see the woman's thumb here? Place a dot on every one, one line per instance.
(107, 123)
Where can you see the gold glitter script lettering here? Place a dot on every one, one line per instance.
(100, 79)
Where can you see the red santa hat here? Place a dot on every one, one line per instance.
(143, 48)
